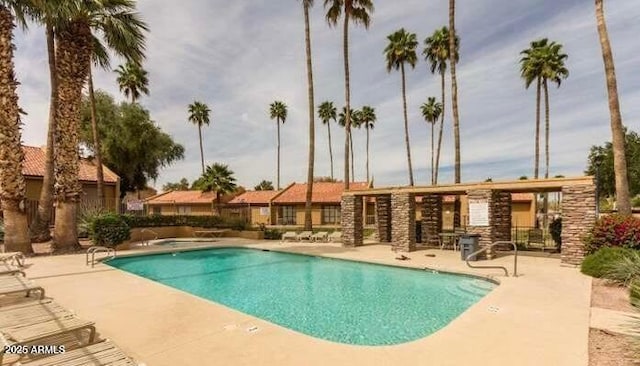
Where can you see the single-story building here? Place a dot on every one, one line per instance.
(33, 170)
(259, 205)
(191, 202)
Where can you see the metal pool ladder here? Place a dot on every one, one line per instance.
(506, 273)
(111, 253)
(146, 242)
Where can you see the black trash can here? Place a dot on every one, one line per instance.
(418, 231)
(468, 244)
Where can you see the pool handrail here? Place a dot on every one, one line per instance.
(111, 253)
(146, 242)
(500, 242)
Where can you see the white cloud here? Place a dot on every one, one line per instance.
(238, 57)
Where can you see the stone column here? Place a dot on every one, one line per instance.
(484, 231)
(501, 213)
(403, 215)
(578, 217)
(383, 218)
(431, 219)
(351, 217)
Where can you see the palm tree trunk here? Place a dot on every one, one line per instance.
(367, 127)
(545, 196)
(406, 124)
(435, 180)
(432, 163)
(40, 227)
(201, 150)
(73, 51)
(536, 163)
(454, 88)
(307, 207)
(96, 144)
(617, 129)
(353, 169)
(12, 194)
(278, 164)
(347, 95)
(330, 150)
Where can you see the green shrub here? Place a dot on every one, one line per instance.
(614, 231)
(272, 234)
(180, 220)
(603, 261)
(109, 229)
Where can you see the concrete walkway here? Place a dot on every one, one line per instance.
(541, 317)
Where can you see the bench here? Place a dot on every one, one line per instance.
(210, 233)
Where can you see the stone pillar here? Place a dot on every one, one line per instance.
(351, 217)
(431, 219)
(501, 213)
(457, 212)
(578, 217)
(403, 215)
(383, 218)
(499, 227)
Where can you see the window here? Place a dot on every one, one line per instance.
(288, 215)
(184, 210)
(157, 210)
(330, 215)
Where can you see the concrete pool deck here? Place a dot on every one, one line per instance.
(539, 318)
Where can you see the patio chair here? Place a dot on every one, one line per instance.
(334, 237)
(97, 354)
(305, 235)
(40, 332)
(15, 284)
(535, 238)
(289, 235)
(320, 236)
(31, 312)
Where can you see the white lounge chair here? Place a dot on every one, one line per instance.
(335, 236)
(97, 354)
(320, 236)
(305, 235)
(17, 284)
(15, 258)
(289, 235)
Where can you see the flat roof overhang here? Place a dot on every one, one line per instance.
(513, 186)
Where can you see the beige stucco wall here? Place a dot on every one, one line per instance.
(34, 186)
(172, 209)
(257, 218)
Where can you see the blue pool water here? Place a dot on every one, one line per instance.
(336, 300)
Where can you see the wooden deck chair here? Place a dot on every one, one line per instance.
(31, 312)
(305, 235)
(40, 332)
(16, 284)
(97, 354)
(320, 236)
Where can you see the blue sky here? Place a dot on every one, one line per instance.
(239, 56)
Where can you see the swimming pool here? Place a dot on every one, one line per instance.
(336, 300)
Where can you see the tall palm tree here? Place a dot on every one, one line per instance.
(355, 123)
(77, 33)
(359, 12)
(431, 111)
(278, 111)
(12, 182)
(132, 80)
(400, 50)
(199, 115)
(327, 112)
(453, 60)
(617, 128)
(368, 119)
(436, 53)
(217, 178)
(306, 4)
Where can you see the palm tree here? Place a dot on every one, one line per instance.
(436, 53)
(264, 185)
(217, 178)
(453, 60)
(327, 112)
(355, 123)
(306, 4)
(617, 128)
(199, 116)
(132, 80)
(278, 111)
(368, 119)
(359, 12)
(12, 182)
(400, 50)
(117, 23)
(530, 70)
(431, 111)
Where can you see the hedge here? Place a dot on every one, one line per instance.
(178, 220)
(614, 231)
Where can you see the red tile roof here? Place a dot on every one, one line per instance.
(323, 192)
(182, 197)
(254, 197)
(34, 166)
